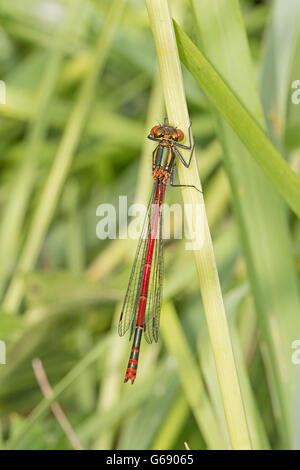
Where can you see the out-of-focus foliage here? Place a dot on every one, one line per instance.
(81, 91)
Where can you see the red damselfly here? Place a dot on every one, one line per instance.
(141, 308)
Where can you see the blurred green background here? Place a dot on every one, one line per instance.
(82, 91)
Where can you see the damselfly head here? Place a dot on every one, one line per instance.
(167, 132)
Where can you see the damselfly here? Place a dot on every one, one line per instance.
(141, 308)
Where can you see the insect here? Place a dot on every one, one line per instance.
(142, 303)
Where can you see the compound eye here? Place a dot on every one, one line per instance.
(157, 132)
(180, 135)
(174, 136)
(153, 130)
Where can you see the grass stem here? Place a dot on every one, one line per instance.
(62, 162)
(176, 106)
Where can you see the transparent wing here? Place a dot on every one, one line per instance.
(132, 297)
(153, 305)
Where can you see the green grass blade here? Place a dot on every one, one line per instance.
(232, 302)
(191, 380)
(62, 161)
(172, 424)
(242, 122)
(128, 404)
(260, 212)
(16, 206)
(209, 283)
(68, 380)
(279, 52)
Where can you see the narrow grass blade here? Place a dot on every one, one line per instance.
(129, 403)
(173, 424)
(45, 404)
(260, 213)
(20, 192)
(191, 380)
(279, 50)
(176, 106)
(242, 122)
(62, 161)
